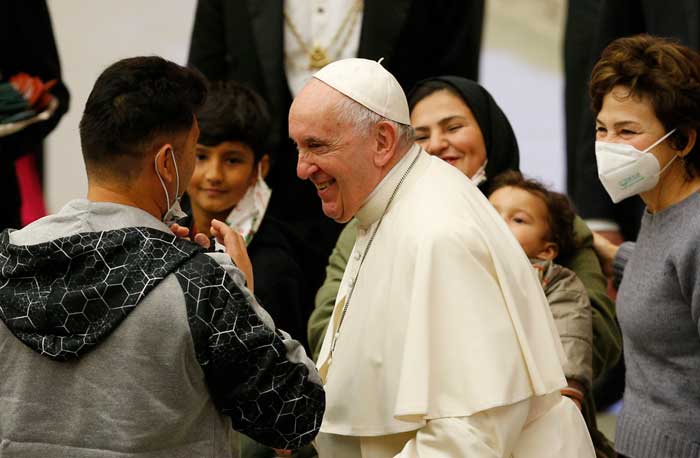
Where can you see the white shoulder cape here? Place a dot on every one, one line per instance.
(447, 317)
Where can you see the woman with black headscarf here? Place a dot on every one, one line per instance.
(459, 121)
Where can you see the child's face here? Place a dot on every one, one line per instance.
(527, 217)
(222, 175)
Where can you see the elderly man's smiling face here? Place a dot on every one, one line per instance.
(335, 156)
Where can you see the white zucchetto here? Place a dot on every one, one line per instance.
(369, 84)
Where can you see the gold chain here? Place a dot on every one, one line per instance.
(318, 55)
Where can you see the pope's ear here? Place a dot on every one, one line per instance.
(386, 137)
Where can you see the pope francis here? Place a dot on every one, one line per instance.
(441, 343)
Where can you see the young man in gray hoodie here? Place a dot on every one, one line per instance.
(120, 339)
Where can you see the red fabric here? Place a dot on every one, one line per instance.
(33, 206)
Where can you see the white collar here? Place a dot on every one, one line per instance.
(376, 202)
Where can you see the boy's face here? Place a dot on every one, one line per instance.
(527, 217)
(222, 175)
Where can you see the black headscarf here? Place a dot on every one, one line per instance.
(502, 150)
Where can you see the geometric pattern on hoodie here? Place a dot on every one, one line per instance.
(235, 348)
(62, 297)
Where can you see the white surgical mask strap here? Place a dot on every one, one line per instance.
(162, 183)
(165, 188)
(668, 165)
(177, 177)
(659, 141)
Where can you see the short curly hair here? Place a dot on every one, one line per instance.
(661, 71)
(560, 214)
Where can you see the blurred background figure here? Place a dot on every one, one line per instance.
(27, 49)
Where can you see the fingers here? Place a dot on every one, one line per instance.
(604, 246)
(615, 237)
(180, 231)
(606, 252)
(235, 246)
(202, 240)
(184, 233)
(223, 232)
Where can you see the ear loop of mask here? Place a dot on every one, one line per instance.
(162, 183)
(659, 142)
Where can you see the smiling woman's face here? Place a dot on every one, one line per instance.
(446, 127)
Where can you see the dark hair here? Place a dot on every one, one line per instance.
(234, 112)
(560, 214)
(664, 72)
(134, 103)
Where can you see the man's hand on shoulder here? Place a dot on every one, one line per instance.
(184, 233)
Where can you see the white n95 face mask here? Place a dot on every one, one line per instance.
(626, 171)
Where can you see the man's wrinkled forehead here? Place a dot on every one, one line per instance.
(315, 106)
(315, 96)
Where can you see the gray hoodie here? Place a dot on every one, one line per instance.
(119, 339)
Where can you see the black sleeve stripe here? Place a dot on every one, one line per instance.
(268, 397)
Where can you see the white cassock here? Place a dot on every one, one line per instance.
(448, 347)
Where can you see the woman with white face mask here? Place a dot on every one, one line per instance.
(646, 93)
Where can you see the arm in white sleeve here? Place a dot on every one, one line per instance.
(488, 434)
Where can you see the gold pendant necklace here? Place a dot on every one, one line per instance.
(318, 55)
(318, 58)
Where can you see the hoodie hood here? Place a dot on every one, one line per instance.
(63, 297)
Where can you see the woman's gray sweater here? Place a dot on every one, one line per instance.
(659, 311)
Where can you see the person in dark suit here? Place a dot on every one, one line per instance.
(600, 22)
(26, 45)
(243, 40)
